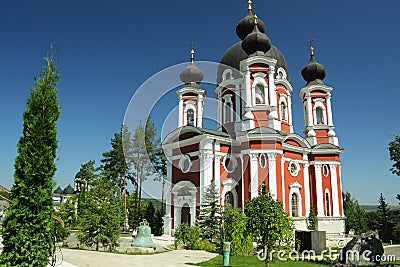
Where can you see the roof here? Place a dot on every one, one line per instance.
(68, 190)
(58, 191)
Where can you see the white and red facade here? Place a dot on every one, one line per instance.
(256, 143)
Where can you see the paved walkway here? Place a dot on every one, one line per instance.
(81, 258)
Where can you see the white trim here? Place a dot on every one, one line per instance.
(307, 196)
(297, 166)
(319, 103)
(272, 175)
(229, 186)
(335, 192)
(263, 155)
(225, 73)
(320, 196)
(283, 182)
(180, 201)
(227, 100)
(259, 79)
(253, 175)
(182, 160)
(295, 189)
(189, 104)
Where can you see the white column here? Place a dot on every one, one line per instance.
(168, 188)
(180, 122)
(219, 109)
(335, 192)
(306, 183)
(199, 111)
(319, 189)
(272, 174)
(272, 93)
(341, 188)
(329, 109)
(247, 88)
(289, 111)
(217, 174)
(253, 175)
(283, 182)
(206, 172)
(309, 110)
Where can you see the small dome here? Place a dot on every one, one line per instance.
(235, 54)
(246, 25)
(256, 41)
(313, 70)
(191, 74)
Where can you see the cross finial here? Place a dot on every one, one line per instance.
(311, 47)
(192, 53)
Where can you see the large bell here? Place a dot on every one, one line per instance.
(143, 238)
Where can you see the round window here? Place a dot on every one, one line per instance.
(263, 160)
(230, 163)
(185, 163)
(294, 168)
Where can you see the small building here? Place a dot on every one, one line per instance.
(61, 196)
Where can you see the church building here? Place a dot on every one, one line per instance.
(255, 141)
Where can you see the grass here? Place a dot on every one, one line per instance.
(253, 261)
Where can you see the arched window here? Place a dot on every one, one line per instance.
(283, 111)
(185, 214)
(190, 117)
(260, 97)
(328, 204)
(228, 198)
(295, 205)
(320, 115)
(228, 108)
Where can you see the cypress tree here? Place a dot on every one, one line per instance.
(28, 227)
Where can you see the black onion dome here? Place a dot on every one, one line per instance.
(246, 25)
(313, 71)
(256, 41)
(235, 54)
(191, 74)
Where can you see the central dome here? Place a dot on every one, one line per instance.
(235, 54)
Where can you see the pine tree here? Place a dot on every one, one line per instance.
(209, 219)
(85, 179)
(384, 222)
(28, 228)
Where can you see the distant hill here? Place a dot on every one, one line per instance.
(375, 207)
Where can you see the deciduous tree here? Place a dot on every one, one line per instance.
(269, 223)
(355, 216)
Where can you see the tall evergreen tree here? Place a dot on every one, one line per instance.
(384, 221)
(85, 179)
(209, 219)
(28, 228)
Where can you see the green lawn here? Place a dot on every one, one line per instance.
(252, 261)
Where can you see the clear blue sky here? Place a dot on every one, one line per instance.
(109, 48)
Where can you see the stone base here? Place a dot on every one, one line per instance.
(139, 250)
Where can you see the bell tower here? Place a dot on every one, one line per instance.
(316, 97)
(191, 97)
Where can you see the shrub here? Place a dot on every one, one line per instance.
(187, 236)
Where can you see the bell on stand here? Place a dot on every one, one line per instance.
(143, 238)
